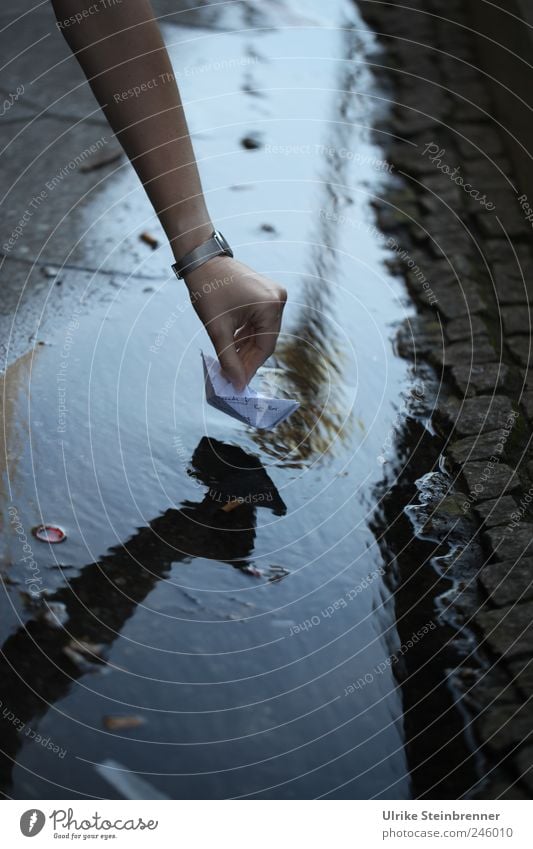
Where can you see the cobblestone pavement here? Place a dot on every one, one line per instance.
(458, 221)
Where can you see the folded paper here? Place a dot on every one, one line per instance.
(248, 406)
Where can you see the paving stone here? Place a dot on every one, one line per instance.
(400, 197)
(417, 336)
(516, 319)
(477, 447)
(473, 140)
(521, 670)
(509, 286)
(460, 284)
(513, 543)
(472, 96)
(486, 219)
(410, 125)
(404, 49)
(451, 306)
(512, 223)
(409, 159)
(523, 259)
(526, 379)
(508, 581)
(449, 244)
(526, 403)
(501, 789)
(508, 630)
(476, 415)
(460, 52)
(441, 191)
(486, 480)
(433, 204)
(507, 264)
(474, 111)
(483, 425)
(423, 96)
(477, 379)
(439, 518)
(489, 176)
(524, 764)
(421, 290)
(389, 219)
(496, 511)
(443, 223)
(465, 327)
(521, 348)
(475, 209)
(461, 353)
(494, 688)
(504, 724)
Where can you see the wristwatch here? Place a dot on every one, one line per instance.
(216, 245)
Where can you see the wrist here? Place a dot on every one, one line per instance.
(215, 245)
(189, 239)
(217, 268)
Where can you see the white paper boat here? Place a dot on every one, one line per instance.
(248, 406)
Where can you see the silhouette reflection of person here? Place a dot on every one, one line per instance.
(40, 662)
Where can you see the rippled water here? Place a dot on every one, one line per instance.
(234, 633)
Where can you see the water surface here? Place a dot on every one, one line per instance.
(233, 634)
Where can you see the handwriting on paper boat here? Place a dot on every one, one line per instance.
(248, 406)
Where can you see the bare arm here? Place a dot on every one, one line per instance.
(120, 48)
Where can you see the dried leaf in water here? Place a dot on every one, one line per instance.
(150, 240)
(120, 723)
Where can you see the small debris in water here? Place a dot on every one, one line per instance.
(251, 142)
(249, 89)
(277, 573)
(100, 159)
(55, 614)
(28, 600)
(231, 505)
(93, 650)
(51, 272)
(49, 533)
(10, 580)
(120, 723)
(268, 228)
(150, 240)
(79, 660)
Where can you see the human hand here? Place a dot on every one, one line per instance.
(241, 311)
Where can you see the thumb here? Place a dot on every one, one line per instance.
(228, 357)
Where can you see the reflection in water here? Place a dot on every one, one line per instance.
(444, 760)
(13, 383)
(312, 358)
(41, 661)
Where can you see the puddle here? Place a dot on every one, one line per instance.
(235, 631)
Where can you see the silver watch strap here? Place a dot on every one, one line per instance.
(216, 245)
